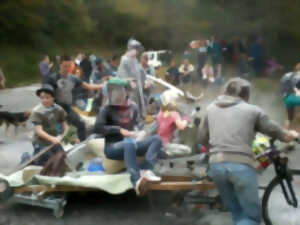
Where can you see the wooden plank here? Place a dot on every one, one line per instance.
(172, 183)
(45, 188)
(28, 162)
(174, 178)
(181, 186)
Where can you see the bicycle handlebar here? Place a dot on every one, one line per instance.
(272, 151)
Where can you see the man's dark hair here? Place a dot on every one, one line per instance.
(65, 58)
(234, 89)
(245, 93)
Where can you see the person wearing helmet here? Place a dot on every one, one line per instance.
(116, 121)
(130, 69)
(168, 120)
(228, 128)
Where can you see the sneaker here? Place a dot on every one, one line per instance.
(140, 187)
(149, 175)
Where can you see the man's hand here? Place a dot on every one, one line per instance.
(126, 133)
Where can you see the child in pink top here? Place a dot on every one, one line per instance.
(167, 125)
(168, 120)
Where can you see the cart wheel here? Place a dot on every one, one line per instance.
(5, 190)
(58, 213)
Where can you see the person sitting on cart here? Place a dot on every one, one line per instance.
(48, 119)
(228, 128)
(116, 122)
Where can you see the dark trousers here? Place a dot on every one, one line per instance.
(201, 61)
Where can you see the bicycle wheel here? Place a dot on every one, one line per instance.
(276, 210)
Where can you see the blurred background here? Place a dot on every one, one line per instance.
(31, 28)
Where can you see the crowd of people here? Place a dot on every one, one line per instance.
(122, 94)
(248, 57)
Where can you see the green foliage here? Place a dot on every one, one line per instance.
(29, 22)
(20, 65)
(44, 26)
(158, 23)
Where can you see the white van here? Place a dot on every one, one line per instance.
(155, 57)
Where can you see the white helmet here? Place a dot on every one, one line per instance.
(169, 97)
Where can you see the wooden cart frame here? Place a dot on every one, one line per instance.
(33, 194)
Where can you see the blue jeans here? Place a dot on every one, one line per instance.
(149, 147)
(238, 188)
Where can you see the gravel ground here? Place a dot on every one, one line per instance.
(101, 208)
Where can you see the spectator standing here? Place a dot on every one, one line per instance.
(290, 91)
(113, 63)
(244, 67)
(101, 72)
(257, 53)
(150, 70)
(215, 53)
(147, 70)
(80, 95)
(56, 64)
(130, 69)
(2, 79)
(45, 68)
(64, 85)
(86, 66)
(208, 72)
(201, 56)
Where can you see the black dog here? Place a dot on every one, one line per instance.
(14, 119)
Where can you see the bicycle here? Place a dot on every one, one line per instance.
(280, 199)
